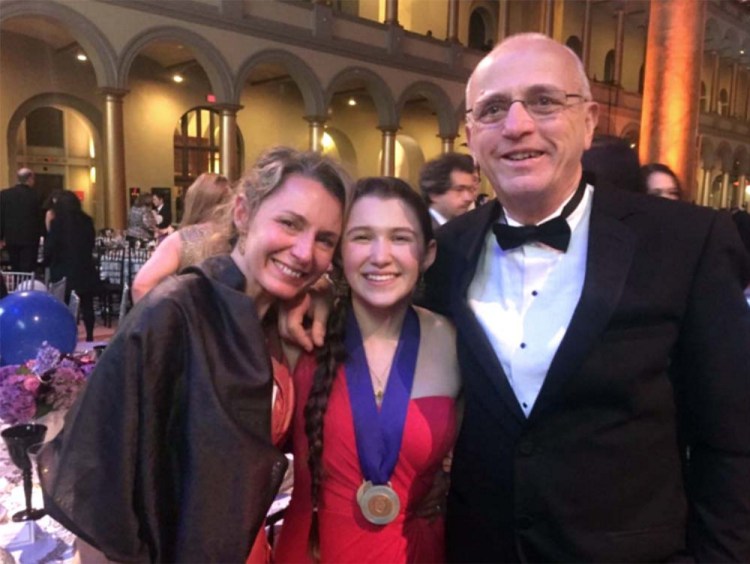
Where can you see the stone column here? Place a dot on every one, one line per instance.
(546, 17)
(115, 201)
(452, 21)
(228, 147)
(316, 128)
(388, 149)
(619, 46)
(742, 198)
(669, 118)
(391, 12)
(734, 85)
(702, 197)
(502, 20)
(713, 106)
(447, 144)
(586, 39)
(725, 191)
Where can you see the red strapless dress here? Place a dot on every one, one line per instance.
(345, 535)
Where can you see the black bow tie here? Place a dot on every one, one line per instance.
(554, 233)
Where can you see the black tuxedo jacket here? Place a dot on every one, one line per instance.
(638, 446)
(21, 217)
(166, 216)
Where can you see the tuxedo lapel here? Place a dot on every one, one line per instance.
(472, 333)
(610, 254)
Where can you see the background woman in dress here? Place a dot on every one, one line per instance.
(197, 238)
(141, 221)
(363, 378)
(68, 251)
(167, 454)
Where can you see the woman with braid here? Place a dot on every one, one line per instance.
(376, 406)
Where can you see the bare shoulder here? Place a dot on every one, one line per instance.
(437, 365)
(436, 326)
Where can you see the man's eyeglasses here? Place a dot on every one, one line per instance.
(538, 104)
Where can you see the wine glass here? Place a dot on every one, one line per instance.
(18, 439)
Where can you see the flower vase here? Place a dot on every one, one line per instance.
(53, 421)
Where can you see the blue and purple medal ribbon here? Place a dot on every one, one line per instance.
(379, 432)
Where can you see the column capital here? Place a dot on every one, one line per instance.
(114, 92)
(227, 108)
(320, 120)
(386, 129)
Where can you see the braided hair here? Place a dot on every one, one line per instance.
(333, 353)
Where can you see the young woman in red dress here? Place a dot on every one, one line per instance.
(376, 407)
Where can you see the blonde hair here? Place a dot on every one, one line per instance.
(270, 172)
(205, 197)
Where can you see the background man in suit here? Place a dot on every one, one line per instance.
(605, 353)
(21, 222)
(449, 186)
(163, 213)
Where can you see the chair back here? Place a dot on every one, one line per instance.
(125, 302)
(111, 265)
(137, 258)
(57, 289)
(73, 304)
(15, 279)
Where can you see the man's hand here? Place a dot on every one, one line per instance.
(433, 504)
(302, 321)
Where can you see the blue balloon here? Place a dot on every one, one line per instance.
(27, 319)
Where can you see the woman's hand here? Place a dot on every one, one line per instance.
(302, 321)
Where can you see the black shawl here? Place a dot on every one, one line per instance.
(166, 456)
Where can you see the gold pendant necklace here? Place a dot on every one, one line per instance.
(378, 383)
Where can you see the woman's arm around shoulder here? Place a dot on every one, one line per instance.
(164, 261)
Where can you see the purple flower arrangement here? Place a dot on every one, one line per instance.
(46, 383)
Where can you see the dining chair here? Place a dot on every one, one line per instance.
(110, 265)
(57, 289)
(74, 304)
(15, 279)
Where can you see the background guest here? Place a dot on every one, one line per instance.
(141, 221)
(193, 241)
(661, 181)
(162, 211)
(21, 222)
(612, 161)
(448, 185)
(68, 250)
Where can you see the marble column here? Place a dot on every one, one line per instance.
(726, 195)
(586, 39)
(115, 200)
(734, 85)
(502, 20)
(228, 147)
(714, 98)
(671, 97)
(315, 129)
(619, 46)
(546, 17)
(452, 21)
(391, 12)
(388, 150)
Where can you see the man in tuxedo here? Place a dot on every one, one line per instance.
(21, 222)
(449, 186)
(603, 339)
(162, 211)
